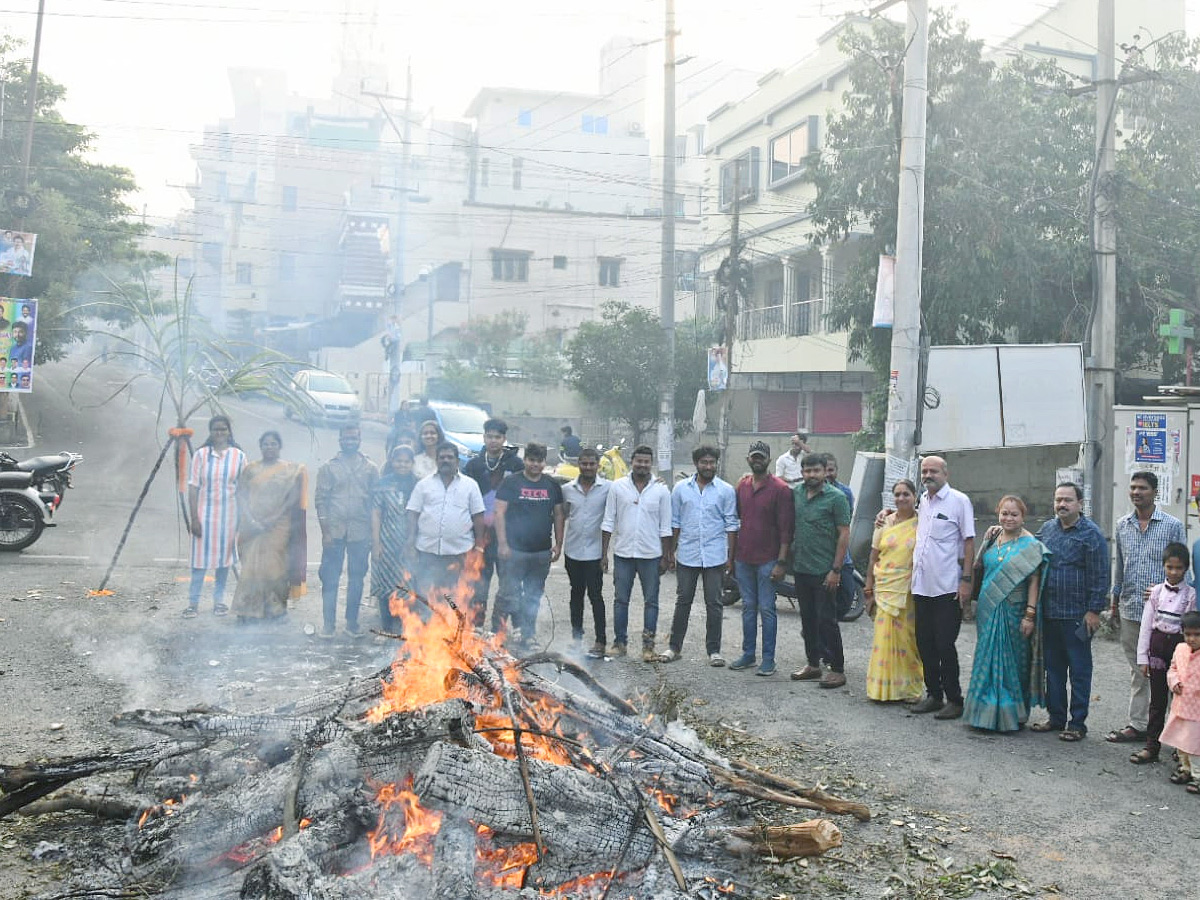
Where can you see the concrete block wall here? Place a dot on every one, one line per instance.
(1029, 472)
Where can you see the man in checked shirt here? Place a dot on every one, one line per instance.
(1074, 593)
(1140, 538)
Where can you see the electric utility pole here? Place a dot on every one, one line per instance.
(1101, 362)
(666, 397)
(33, 91)
(733, 282)
(901, 438)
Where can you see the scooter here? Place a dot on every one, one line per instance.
(30, 493)
(731, 594)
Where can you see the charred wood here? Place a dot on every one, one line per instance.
(585, 833)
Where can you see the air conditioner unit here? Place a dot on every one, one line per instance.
(636, 128)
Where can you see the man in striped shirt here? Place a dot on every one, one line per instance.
(1140, 538)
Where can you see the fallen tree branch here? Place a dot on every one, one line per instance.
(104, 807)
(829, 803)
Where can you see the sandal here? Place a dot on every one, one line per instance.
(1043, 727)
(1143, 756)
(670, 656)
(220, 610)
(1126, 735)
(1180, 777)
(1070, 735)
(1193, 787)
(190, 612)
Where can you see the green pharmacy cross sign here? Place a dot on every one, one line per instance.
(1176, 331)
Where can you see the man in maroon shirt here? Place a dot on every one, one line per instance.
(765, 508)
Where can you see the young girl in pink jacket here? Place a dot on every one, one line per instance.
(1183, 726)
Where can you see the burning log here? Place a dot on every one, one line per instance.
(584, 834)
(101, 807)
(227, 726)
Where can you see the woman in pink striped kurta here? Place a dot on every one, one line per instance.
(212, 489)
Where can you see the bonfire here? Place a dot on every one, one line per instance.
(458, 772)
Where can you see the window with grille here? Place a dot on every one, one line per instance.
(610, 271)
(510, 265)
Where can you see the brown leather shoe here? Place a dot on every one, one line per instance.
(951, 710)
(808, 673)
(832, 679)
(619, 650)
(926, 705)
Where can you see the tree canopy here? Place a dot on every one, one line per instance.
(86, 238)
(1008, 194)
(619, 361)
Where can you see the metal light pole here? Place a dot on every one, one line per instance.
(903, 398)
(666, 396)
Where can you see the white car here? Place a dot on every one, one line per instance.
(328, 397)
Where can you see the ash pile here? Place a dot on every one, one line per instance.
(460, 772)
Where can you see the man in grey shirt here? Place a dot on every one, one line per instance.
(343, 501)
(584, 499)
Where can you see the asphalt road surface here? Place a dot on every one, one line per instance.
(1077, 817)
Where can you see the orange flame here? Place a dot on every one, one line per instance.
(420, 825)
(503, 866)
(668, 802)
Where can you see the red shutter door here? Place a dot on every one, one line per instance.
(839, 413)
(777, 411)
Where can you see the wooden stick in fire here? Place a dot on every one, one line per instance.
(523, 766)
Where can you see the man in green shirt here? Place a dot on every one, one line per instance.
(818, 548)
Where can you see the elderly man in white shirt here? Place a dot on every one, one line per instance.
(941, 585)
(586, 499)
(788, 467)
(445, 523)
(637, 524)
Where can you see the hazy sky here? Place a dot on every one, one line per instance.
(146, 75)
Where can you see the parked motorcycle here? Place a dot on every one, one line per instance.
(30, 493)
(731, 594)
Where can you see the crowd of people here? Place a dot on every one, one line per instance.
(1037, 598)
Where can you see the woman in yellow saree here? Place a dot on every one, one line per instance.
(894, 671)
(272, 538)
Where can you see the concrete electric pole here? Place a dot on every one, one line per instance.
(1101, 363)
(666, 397)
(904, 399)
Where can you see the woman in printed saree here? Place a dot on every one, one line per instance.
(389, 531)
(894, 671)
(273, 539)
(1007, 677)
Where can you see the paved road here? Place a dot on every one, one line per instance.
(1079, 816)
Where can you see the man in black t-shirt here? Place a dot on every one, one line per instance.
(489, 469)
(528, 511)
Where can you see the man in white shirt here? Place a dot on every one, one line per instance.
(637, 523)
(445, 523)
(788, 466)
(941, 585)
(585, 499)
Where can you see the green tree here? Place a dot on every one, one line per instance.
(1158, 193)
(617, 363)
(86, 238)
(1006, 253)
(487, 342)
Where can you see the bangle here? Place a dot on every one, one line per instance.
(1031, 609)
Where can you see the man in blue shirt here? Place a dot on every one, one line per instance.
(704, 525)
(1074, 593)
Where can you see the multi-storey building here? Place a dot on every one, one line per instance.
(790, 369)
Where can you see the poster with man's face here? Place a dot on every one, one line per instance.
(16, 252)
(18, 331)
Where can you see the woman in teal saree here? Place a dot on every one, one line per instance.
(1007, 676)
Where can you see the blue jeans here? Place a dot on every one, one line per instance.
(356, 554)
(220, 576)
(1066, 654)
(624, 570)
(523, 582)
(758, 599)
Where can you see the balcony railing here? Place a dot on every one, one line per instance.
(801, 318)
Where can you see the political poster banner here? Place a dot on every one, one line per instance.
(718, 369)
(16, 252)
(18, 332)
